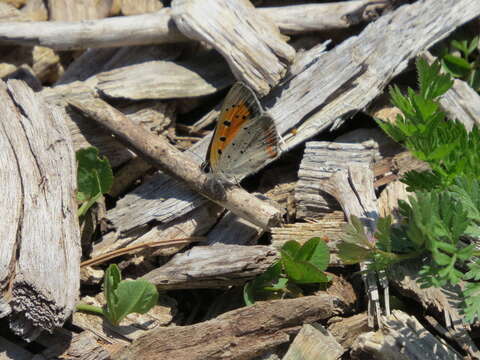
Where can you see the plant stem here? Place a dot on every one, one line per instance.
(89, 308)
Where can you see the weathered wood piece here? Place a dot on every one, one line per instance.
(233, 230)
(201, 75)
(242, 334)
(402, 338)
(303, 18)
(249, 41)
(40, 221)
(68, 345)
(35, 10)
(344, 171)
(325, 88)
(154, 28)
(314, 342)
(195, 223)
(213, 266)
(346, 330)
(66, 10)
(136, 7)
(177, 164)
(447, 300)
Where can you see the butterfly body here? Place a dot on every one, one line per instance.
(244, 139)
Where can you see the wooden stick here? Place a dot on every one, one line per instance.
(157, 28)
(175, 163)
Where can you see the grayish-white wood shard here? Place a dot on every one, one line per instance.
(249, 41)
(322, 90)
(42, 262)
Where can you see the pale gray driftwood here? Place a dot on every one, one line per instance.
(323, 90)
(41, 262)
(239, 334)
(136, 7)
(97, 61)
(201, 75)
(11, 13)
(153, 28)
(314, 342)
(196, 223)
(167, 158)
(344, 171)
(66, 10)
(346, 330)
(402, 338)
(233, 230)
(249, 41)
(213, 266)
(388, 200)
(303, 18)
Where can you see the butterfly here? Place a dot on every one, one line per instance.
(244, 139)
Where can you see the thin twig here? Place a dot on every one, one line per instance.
(161, 243)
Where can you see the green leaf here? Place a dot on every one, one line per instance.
(353, 254)
(321, 255)
(134, 296)
(125, 297)
(110, 283)
(307, 249)
(456, 66)
(292, 248)
(302, 272)
(94, 174)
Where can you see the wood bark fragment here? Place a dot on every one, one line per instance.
(314, 342)
(175, 163)
(324, 89)
(41, 281)
(249, 41)
(213, 266)
(65, 10)
(242, 334)
(35, 10)
(346, 330)
(402, 338)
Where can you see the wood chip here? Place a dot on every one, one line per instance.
(249, 41)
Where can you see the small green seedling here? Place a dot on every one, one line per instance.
(94, 177)
(123, 297)
(299, 265)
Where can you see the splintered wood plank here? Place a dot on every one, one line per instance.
(324, 90)
(35, 10)
(201, 75)
(244, 333)
(402, 338)
(67, 10)
(213, 266)
(249, 41)
(314, 342)
(45, 271)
